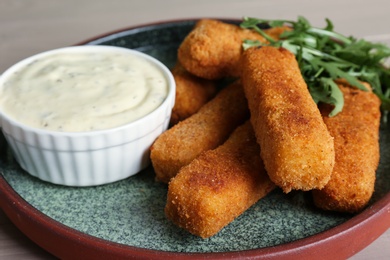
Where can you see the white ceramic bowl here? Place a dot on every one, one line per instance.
(87, 158)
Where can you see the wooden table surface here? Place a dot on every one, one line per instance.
(28, 27)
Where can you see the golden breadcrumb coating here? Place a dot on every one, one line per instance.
(204, 130)
(356, 140)
(191, 94)
(296, 147)
(219, 185)
(213, 49)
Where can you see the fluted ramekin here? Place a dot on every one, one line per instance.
(87, 158)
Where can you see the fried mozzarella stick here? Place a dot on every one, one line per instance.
(204, 130)
(356, 134)
(296, 147)
(219, 185)
(212, 50)
(191, 94)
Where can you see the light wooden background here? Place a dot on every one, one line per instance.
(31, 26)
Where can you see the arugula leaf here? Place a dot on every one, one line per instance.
(324, 56)
(329, 93)
(250, 43)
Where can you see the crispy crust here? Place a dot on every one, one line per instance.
(219, 185)
(191, 94)
(213, 49)
(356, 133)
(204, 130)
(297, 149)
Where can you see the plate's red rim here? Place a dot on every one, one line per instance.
(64, 242)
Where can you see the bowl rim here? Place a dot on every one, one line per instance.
(168, 101)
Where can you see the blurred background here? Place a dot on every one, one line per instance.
(31, 26)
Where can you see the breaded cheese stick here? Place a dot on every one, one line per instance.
(219, 185)
(356, 133)
(296, 147)
(202, 131)
(191, 93)
(212, 50)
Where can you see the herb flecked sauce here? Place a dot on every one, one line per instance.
(83, 91)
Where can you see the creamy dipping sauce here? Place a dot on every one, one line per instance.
(83, 91)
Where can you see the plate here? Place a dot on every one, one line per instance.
(126, 218)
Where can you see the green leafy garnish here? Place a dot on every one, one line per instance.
(325, 56)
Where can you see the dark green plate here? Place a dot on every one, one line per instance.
(127, 218)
